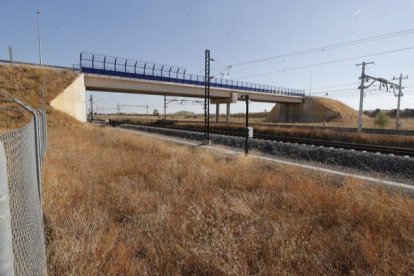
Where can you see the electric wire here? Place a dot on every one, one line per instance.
(327, 62)
(331, 46)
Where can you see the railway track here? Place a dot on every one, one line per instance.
(305, 141)
(322, 128)
(376, 131)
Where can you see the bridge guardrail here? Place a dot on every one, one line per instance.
(123, 67)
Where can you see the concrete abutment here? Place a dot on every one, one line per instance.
(310, 111)
(72, 100)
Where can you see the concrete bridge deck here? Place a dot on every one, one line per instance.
(105, 73)
(95, 82)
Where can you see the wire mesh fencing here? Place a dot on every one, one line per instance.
(22, 150)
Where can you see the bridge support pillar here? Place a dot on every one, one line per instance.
(72, 100)
(217, 113)
(227, 113)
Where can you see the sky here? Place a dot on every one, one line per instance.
(177, 32)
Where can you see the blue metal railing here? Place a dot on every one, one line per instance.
(122, 67)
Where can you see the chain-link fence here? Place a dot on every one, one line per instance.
(21, 155)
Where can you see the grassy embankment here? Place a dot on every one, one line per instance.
(25, 84)
(120, 204)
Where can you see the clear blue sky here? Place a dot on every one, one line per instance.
(178, 32)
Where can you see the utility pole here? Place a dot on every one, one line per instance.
(11, 55)
(207, 96)
(246, 146)
(38, 36)
(361, 96)
(383, 83)
(118, 108)
(400, 94)
(147, 109)
(165, 107)
(91, 103)
(310, 85)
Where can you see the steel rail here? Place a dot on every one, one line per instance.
(305, 141)
(379, 131)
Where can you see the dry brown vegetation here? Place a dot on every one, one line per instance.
(367, 122)
(24, 83)
(12, 116)
(345, 115)
(120, 204)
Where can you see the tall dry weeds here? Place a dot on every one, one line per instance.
(118, 204)
(25, 84)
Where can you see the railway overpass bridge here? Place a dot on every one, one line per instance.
(112, 74)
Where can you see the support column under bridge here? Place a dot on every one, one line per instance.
(312, 110)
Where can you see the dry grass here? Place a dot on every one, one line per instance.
(336, 106)
(24, 83)
(118, 204)
(12, 116)
(368, 122)
(347, 113)
(406, 123)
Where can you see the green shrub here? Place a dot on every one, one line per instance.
(382, 119)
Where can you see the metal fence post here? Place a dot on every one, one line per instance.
(37, 143)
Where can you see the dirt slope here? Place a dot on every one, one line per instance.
(345, 112)
(24, 83)
(316, 110)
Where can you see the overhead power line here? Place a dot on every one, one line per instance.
(332, 86)
(330, 47)
(322, 92)
(328, 62)
(352, 92)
